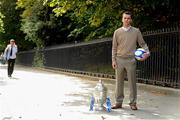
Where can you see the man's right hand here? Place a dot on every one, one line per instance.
(114, 65)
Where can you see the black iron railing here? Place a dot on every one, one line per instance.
(162, 67)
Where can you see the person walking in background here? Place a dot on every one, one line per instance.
(124, 44)
(10, 56)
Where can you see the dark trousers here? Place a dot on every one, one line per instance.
(11, 63)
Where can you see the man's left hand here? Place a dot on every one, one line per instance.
(145, 56)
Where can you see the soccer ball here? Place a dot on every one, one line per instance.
(139, 53)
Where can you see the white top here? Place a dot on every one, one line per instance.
(8, 50)
(126, 29)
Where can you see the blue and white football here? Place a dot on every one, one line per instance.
(139, 53)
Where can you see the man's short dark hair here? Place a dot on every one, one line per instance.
(128, 13)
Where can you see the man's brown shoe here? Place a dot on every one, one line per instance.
(116, 106)
(133, 107)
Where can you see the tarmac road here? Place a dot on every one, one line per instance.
(33, 94)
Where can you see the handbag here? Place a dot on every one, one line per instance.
(3, 61)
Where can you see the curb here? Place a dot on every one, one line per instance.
(111, 79)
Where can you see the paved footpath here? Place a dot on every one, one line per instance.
(33, 94)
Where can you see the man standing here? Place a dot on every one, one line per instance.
(124, 44)
(10, 56)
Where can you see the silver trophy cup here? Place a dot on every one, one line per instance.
(100, 94)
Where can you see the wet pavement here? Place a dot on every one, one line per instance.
(33, 94)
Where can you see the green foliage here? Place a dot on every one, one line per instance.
(89, 17)
(31, 22)
(12, 25)
(2, 44)
(1, 23)
(38, 59)
(99, 18)
(49, 22)
(40, 25)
